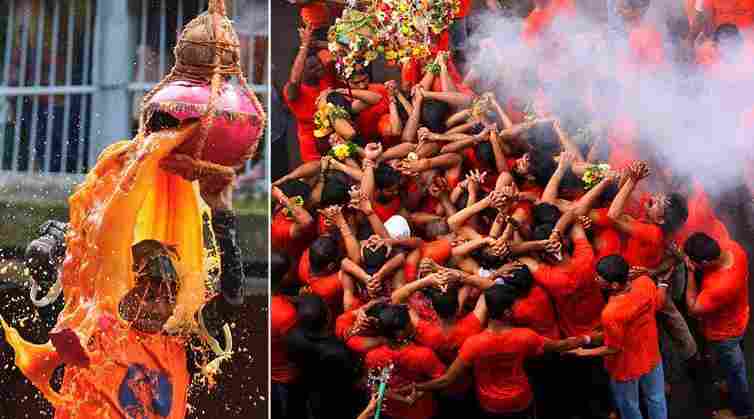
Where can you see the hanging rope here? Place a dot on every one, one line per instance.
(208, 51)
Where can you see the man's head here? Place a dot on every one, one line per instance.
(545, 213)
(335, 189)
(499, 300)
(360, 78)
(295, 188)
(543, 232)
(395, 322)
(436, 229)
(373, 260)
(314, 70)
(312, 313)
(729, 41)
(485, 155)
(149, 304)
(703, 250)
(520, 280)
(444, 303)
(324, 255)
(433, 115)
(632, 10)
(388, 182)
(612, 273)
(669, 211)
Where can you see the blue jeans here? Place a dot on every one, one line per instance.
(730, 357)
(652, 386)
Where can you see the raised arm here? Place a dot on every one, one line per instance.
(297, 70)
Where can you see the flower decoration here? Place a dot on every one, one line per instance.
(594, 174)
(296, 201)
(324, 119)
(343, 151)
(353, 41)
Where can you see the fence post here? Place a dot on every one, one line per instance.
(113, 67)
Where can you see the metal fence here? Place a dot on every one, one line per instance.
(74, 71)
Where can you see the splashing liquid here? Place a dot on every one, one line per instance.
(112, 370)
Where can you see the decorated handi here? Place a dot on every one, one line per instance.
(138, 223)
(594, 174)
(325, 117)
(353, 40)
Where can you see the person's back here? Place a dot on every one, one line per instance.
(498, 360)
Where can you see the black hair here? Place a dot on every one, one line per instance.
(487, 260)
(335, 189)
(702, 248)
(323, 252)
(676, 213)
(393, 320)
(520, 280)
(437, 228)
(295, 187)
(462, 200)
(607, 196)
(613, 268)
(545, 139)
(339, 99)
(543, 232)
(433, 115)
(386, 177)
(485, 154)
(476, 129)
(545, 213)
(498, 299)
(279, 265)
(373, 260)
(375, 310)
(311, 312)
(444, 303)
(542, 167)
(364, 230)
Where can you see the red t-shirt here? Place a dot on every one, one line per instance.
(630, 326)
(725, 294)
(607, 240)
(343, 324)
(537, 312)
(385, 211)
(367, 122)
(736, 12)
(303, 109)
(281, 240)
(498, 360)
(412, 364)
(464, 9)
(330, 289)
(645, 245)
(282, 319)
(577, 296)
(446, 345)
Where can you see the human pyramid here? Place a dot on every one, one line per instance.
(489, 249)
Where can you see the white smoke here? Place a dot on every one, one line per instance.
(687, 121)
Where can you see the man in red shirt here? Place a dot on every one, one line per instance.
(722, 307)
(283, 373)
(631, 348)
(306, 82)
(497, 357)
(411, 363)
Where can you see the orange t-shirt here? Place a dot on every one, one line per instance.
(725, 294)
(315, 14)
(464, 9)
(577, 296)
(537, 312)
(385, 211)
(282, 319)
(536, 23)
(412, 364)
(446, 345)
(367, 122)
(281, 240)
(330, 289)
(498, 360)
(630, 326)
(736, 12)
(701, 218)
(136, 375)
(303, 109)
(645, 245)
(607, 240)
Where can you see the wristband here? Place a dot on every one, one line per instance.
(587, 339)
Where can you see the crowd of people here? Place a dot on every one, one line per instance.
(455, 234)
